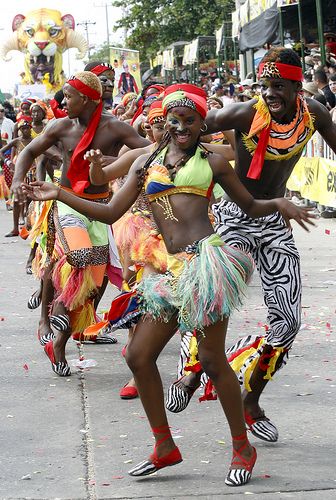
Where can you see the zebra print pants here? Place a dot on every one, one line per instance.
(273, 249)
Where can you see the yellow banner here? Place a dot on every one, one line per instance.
(125, 60)
(309, 179)
(315, 179)
(294, 183)
(327, 182)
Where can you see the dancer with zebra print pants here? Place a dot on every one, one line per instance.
(271, 132)
(277, 260)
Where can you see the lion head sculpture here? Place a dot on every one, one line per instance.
(43, 35)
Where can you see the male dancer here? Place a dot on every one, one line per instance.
(106, 75)
(82, 247)
(270, 135)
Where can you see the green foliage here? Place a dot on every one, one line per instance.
(101, 52)
(153, 25)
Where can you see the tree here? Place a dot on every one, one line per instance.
(101, 53)
(154, 25)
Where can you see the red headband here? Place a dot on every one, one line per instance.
(155, 112)
(84, 89)
(279, 70)
(188, 91)
(101, 68)
(25, 120)
(159, 88)
(185, 87)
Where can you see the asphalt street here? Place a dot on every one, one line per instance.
(74, 438)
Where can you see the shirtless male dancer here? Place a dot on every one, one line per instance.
(270, 135)
(82, 244)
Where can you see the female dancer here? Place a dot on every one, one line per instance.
(206, 278)
(136, 236)
(24, 126)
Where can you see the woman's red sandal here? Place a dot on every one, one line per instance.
(241, 470)
(155, 463)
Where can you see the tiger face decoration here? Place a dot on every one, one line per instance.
(43, 35)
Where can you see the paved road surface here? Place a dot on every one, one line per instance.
(74, 438)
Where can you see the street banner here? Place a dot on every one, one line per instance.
(120, 58)
(327, 182)
(315, 180)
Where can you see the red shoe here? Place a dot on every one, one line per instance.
(128, 392)
(60, 368)
(123, 351)
(24, 233)
(155, 463)
(241, 472)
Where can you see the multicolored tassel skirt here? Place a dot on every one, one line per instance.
(203, 284)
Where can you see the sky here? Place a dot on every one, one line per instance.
(82, 10)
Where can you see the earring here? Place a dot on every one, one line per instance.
(205, 128)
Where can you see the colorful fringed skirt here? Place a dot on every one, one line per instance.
(202, 286)
(136, 235)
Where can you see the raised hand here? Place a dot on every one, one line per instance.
(302, 215)
(40, 191)
(94, 156)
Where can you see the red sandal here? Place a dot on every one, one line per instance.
(156, 463)
(242, 471)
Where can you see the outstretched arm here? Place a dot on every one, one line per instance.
(232, 116)
(120, 203)
(225, 175)
(222, 149)
(100, 175)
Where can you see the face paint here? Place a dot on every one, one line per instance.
(176, 123)
(183, 124)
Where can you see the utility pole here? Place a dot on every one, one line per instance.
(86, 24)
(106, 5)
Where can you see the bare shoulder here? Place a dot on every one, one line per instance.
(320, 113)
(58, 126)
(113, 122)
(117, 127)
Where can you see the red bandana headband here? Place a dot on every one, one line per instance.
(84, 89)
(280, 70)
(101, 68)
(78, 173)
(24, 121)
(185, 94)
(155, 113)
(158, 88)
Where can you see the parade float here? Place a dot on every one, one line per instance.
(43, 36)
